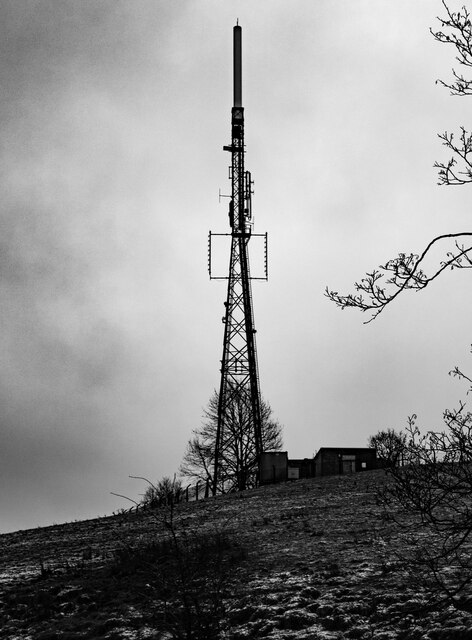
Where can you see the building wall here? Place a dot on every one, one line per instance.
(273, 467)
(329, 463)
(301, 468)
(339, 461)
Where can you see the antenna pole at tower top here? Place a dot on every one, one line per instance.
(237, 66)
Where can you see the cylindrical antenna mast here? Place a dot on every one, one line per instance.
(237, 72)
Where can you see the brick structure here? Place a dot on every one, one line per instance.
(301, 468)
(276, 466)
(273, 467)
(331, 461)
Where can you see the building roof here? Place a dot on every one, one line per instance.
(346, 450)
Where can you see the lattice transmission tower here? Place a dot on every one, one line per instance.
(239, 386)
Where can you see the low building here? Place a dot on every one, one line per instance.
(276, 466)
(331, 461)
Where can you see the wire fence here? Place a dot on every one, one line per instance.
(190, 493)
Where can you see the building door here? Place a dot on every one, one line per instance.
(349, 466)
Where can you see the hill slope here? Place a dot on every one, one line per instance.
(309, 559)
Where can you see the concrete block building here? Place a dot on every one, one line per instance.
(276, 466)
(343, 460)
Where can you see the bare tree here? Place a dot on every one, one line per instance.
(390, 447)
(382, 285)
(431, 497)
(431, 501)
(239, 462)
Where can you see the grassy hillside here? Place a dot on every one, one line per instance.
(309, 559)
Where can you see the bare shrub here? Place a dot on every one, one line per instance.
(187, 570)
(163, 492)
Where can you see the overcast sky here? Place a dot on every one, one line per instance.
(113, 117)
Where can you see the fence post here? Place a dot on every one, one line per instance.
(196, 491)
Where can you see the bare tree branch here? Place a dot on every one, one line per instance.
(448, 174)
(456, 29)
(404, 272)
(458, 32)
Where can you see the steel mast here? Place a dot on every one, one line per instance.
(239, 384)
